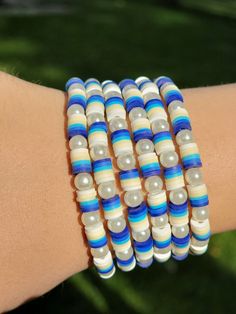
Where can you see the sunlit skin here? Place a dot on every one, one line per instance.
(41, 235)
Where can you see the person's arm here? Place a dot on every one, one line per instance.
(42, 242)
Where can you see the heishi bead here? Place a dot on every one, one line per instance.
(88, 200)
(130, 180)
(80, 160)
(77, 125)
(162, 243)
(191, 162)
(163, 142)
(174, 178)
(157, 204)
(149, 165)
(105, 266)
(103, 171)
(112, 207)
(201, 233)
(120, 240)
(144, 252)
(137, 217)
(121, 142)
(126, 260)
(110, 86)
(81, 165)
(178, 214)
(155, 109)
(95, 104)
(198, 195)
(190, 156)
(115, 108)
(97, 134)
(92, 84)
(141, 129)
(122, 147)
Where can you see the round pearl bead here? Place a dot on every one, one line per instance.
(176, 104)
(141, 236)
(125, 255)
(107, 189)
(78, 141)
(160, 125)
(180, 231)
(99, 152)
(83, 181)
(178, 196)
(200, 213)
(133, 198)
(90, 219)
(110, 94)
(100, 252)
(198, 243)
(184, 137)
(162, 251)
(95, 117)
(117, 124)
(92, 92)
(194, 176)
(75, 109)
(144, 146)
(137, 113)
(159, 221)
(117, 225)
(126, 161)
(76, 86)
(153, 184)
(169, 159)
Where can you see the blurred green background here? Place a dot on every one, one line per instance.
(192, 41)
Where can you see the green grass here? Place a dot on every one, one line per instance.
(113, 40)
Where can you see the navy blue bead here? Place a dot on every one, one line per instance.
(126, 82)
(73, 80)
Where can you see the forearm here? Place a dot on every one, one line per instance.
(41, 237)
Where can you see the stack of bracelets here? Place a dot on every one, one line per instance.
(134, 116)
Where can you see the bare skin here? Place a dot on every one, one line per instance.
(41, 236)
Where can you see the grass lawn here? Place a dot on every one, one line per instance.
(110, 40)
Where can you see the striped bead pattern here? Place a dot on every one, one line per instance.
(81, 164)
(156, 199)
(148, 162)
(191, 162)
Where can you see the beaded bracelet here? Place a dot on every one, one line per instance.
(174, 181)
(191, 161)
(156, 195)
(149, 165)
(104, 175)
(82, 168)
